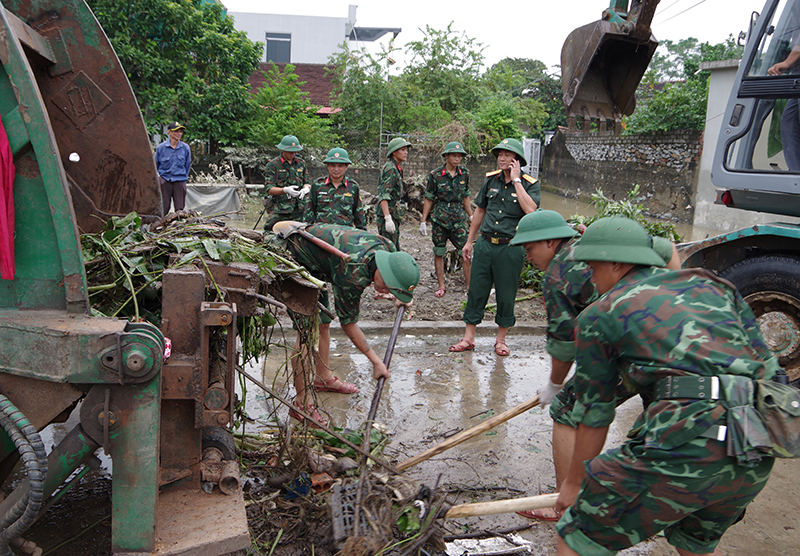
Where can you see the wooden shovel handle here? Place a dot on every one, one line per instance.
(324, 245)
(469, 433)
(503, 506)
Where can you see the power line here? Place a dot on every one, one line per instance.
(668, 7)
(683, 12)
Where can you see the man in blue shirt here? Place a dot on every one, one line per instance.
(173, 160)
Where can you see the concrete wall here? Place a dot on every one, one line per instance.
(314, 39)
(664, 165)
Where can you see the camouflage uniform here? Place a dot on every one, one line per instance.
(567, 290)
(450, 220)
(348, 279)
(341, 205)
(672, 474)
(495, 261)
(390, 189)
(280, 173)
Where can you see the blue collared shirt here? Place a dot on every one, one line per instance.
(173, 164)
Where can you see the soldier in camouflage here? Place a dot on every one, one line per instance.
(675, 337)
(286, 183)
(373, 261)
(505, 197)
(390, 209)
(447, 193)
(335, 198)
(567, 290)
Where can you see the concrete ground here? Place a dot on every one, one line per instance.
(433, 394)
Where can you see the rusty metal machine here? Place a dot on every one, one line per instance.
(603, 62)
(81, 154)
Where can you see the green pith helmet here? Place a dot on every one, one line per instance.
(337, 154)
(512, 145)
(540, 225)
(618, 240)
(400, 272)
(289, 144)
(454, 147)
(396, 143)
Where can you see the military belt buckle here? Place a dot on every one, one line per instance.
(495, 240)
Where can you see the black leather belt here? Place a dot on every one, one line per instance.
(496, 240)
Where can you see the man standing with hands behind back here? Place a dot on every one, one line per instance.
(173, 159)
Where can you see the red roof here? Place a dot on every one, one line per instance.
(317, 84)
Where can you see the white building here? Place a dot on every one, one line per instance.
(303, 39)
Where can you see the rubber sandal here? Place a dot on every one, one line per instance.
(440, 292)
(311, 411)
(321, 385)
(462, 345)
(541, 516)
(501, 351)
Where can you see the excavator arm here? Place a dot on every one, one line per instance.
(603, 62)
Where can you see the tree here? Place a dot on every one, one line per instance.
(185, 61)
(681, 103)
(282, 106)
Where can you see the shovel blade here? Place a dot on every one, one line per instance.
(285, 228)
(601, 67)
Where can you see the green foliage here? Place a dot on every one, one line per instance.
(681, 104)
(531, 277)
(185, 61)
(629, 208)
(283, 108)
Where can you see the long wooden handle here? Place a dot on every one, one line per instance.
(469, 433)
(324, 245)
(503, 506)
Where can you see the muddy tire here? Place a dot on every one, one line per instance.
(216, 437)
(771, 286)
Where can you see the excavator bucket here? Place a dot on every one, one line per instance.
(601, 66)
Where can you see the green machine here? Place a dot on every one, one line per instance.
(81, 154)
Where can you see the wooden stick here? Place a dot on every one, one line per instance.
(469, 433)
(503, 506)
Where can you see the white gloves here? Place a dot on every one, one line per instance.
(292, 191)
(304, 191)
(423, 228)
(548, 392)
(390, 227)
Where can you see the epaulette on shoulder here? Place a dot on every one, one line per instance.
(489, 174)
(529, 179)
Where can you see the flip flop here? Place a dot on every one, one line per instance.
(541, 516)
(501, 351)
(311, 411)
(462, 345)
(440, 292)
(336, 384)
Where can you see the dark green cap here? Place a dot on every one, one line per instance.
(337, 154)
(618, 240)
(512, 145)
(454, 147)
(400, 272)
(540, 225)
(396, 143)
(290, 144)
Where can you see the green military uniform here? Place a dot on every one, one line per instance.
(673, 473)
(329, 204)
(450, 220)
(495, 261)
(390, 189)
(281, 173)
(567, 290)
(348, 279)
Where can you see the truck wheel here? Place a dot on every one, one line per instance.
(771, 286)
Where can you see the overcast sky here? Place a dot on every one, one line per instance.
(522, 28)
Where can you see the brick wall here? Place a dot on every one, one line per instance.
(665, 165)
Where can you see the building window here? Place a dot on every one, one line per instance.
(279, 48)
